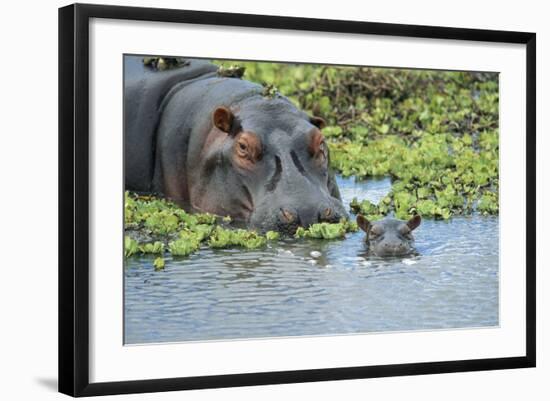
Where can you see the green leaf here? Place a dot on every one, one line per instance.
(155, 247)
(130, 246)
(384, 129)
(159, 263)
(272, 235)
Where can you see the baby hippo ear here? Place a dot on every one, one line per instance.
(223, 119)
(363, 223)
(318, 122)
(414, 222)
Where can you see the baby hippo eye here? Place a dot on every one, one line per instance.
(375, 232)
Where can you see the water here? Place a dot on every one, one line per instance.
(285, 291)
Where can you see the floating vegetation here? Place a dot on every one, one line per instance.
(371, 211)
(164, 63)
(233, 71)
(225, 238)
(272, 235)
(159, 263)
(155, 226)
(327, 230)
(131, 246)
(152, 247)
(184, 245)
(270, 91)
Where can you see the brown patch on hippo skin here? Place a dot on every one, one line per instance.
(247, 150)
(317, 146)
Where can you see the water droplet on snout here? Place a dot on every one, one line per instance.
(315, 254)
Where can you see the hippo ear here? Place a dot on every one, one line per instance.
(318, 122)
(223, 119)
(363, 223)
(414, 222)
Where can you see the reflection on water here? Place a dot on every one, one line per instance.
(311, 287)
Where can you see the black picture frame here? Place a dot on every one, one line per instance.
(74, 198)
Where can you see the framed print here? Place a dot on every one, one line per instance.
(327, 200)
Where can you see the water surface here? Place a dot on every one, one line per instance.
(284, 291)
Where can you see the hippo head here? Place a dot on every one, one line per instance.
(266, 164)
(389, 237)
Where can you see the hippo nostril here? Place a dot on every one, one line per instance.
(287, 216)
(326, 214)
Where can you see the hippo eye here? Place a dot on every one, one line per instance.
(247, 149)
(242, 148)
(374, 234)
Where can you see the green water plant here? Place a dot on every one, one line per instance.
(161, 226)
(159, 263)
(226, 238)
(131, 246)
(164, 63)
(156, 247)
(272, 235)
(327, 230)
(370, 210)
(156, 226)
(184, 246)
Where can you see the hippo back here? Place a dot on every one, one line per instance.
(145, 92)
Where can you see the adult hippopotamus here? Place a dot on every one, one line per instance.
(389, 237)
(222, 145)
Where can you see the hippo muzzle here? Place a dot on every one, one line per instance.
(286, 217)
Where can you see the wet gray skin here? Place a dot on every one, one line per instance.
(222, 145)
(389, 237)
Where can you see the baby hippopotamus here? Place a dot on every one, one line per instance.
(389, 237)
